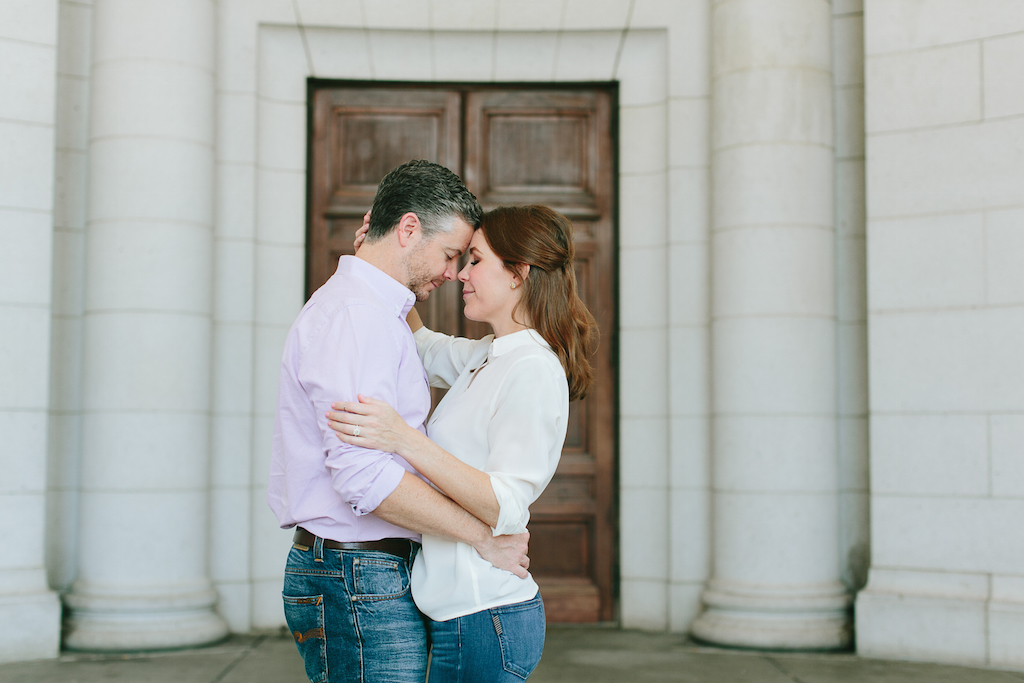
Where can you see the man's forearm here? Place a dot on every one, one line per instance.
(414, 505)
(417, 506)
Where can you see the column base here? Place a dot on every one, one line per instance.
(965, 619)
(105, 622)
(772, 618)
(29, 627)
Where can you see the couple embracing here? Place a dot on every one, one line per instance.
(410, 535)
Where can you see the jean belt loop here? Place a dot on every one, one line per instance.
(318, 550)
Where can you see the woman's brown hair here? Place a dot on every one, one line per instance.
(542, 238)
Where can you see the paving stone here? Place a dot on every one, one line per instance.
(275, 660)
(571, 655)
(599, 656)
(851, 669)
(193, 666)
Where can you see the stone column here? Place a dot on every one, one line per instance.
(143, 577)
(776, 574)
(29, 610)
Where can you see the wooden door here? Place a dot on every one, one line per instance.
(511, 146)
(357, 136)
(553, 147)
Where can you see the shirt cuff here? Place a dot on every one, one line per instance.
(383, 485)
(512, 517)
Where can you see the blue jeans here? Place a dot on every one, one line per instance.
(352, 616)
(490, 646)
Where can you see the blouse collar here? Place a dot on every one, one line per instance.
(527, 337)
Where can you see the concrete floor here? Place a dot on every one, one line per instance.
(571, 655)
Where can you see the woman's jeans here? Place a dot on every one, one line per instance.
(490, 646)
(352, 616)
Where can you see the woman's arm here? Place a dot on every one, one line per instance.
(445, 357)
(375, 424)
(413, 319)
(524, 436)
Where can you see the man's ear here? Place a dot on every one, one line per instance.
(409, 230)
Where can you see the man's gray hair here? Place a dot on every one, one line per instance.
(429, 190)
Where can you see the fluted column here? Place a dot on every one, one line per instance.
(776, 571)
(143, 578)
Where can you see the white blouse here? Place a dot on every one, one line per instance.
(505, 414)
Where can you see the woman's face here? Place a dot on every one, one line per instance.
(486, 287)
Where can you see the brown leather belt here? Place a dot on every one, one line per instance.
(402, 547)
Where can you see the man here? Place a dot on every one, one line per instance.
(359, 513)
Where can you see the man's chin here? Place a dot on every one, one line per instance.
(424, 290)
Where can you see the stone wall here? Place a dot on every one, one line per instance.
(945, 187)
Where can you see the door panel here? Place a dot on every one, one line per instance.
(358, 136)
(541, 147)
(511, 146)
(554, 147)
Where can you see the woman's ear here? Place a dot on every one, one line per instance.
(523, 269)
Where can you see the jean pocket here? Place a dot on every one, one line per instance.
(520, 630)
(378, 578)
(305, 617)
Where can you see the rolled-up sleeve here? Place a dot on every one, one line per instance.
(355, 354)
(445, 356)
(525, 439)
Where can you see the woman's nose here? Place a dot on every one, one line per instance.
(464, 273)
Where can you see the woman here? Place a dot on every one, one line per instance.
(493, 442)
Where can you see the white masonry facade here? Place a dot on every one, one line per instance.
(821, 327)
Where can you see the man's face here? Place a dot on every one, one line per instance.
(432, 261)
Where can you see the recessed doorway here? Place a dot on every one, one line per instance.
(511, 144)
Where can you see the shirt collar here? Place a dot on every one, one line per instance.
(396, 296)
(527, 337)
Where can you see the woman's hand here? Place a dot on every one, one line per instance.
(361, 232)
(371, 423)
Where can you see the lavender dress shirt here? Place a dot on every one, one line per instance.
(350, 338)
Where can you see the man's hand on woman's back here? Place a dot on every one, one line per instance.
(508, 553)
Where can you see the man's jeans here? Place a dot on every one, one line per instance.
(496, 645)
(352, 616)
